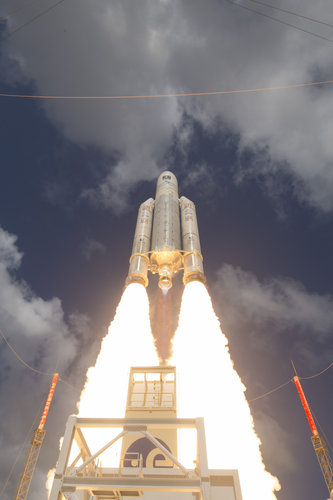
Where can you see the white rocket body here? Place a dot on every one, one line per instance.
(157, 243)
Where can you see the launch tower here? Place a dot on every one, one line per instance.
(149, 466)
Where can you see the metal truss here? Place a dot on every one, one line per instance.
(30, 464)
(85, 479)
(324, 460)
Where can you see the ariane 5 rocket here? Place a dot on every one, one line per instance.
(157, 241)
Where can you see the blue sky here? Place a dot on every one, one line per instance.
(258, 167)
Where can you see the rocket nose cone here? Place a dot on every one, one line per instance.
(167, 180)
(167, 174)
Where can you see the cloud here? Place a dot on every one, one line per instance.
(92, 247)
(39, 332)
(126, 48)
(10, 257)
(267, 309)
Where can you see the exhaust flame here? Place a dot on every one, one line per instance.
(129, 342)
(209, 387)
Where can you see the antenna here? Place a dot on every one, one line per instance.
(318, 441)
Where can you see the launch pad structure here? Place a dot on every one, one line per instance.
(149, 466)
(138, 456)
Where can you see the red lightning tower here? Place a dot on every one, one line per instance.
(36, 443)
(318, 442)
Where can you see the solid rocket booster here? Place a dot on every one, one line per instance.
(157, 243)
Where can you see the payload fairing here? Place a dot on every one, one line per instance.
(157, 242)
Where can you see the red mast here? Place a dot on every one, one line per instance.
(48, 401)
(36, 443)
(306, 407)
(318, 442)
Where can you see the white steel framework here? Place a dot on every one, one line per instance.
(86, 479)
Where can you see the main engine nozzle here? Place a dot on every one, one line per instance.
(165, 281)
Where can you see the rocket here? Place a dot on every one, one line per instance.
(166, 238)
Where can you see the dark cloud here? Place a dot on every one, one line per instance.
(280, 300)
(121, 48)
(277, 314)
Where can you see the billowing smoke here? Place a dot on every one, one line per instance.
(209, 387)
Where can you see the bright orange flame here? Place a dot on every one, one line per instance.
(129, 342)
(209, 387)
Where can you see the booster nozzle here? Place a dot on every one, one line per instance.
(194, 276)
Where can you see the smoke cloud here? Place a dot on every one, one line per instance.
(266, 311)
(38, 331)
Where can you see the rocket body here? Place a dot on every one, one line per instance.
(166, 237)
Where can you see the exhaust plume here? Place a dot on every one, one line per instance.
(209, 387)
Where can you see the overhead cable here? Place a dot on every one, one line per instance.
(31, 367)
(291, 13)
(279, 20)
(70, 385)
(161, 96)
(316, 374)
(270, 392)
(286, 383)
(19, 9)
(19, 357)
(229, 1)
(46, 373)
(31, 20)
